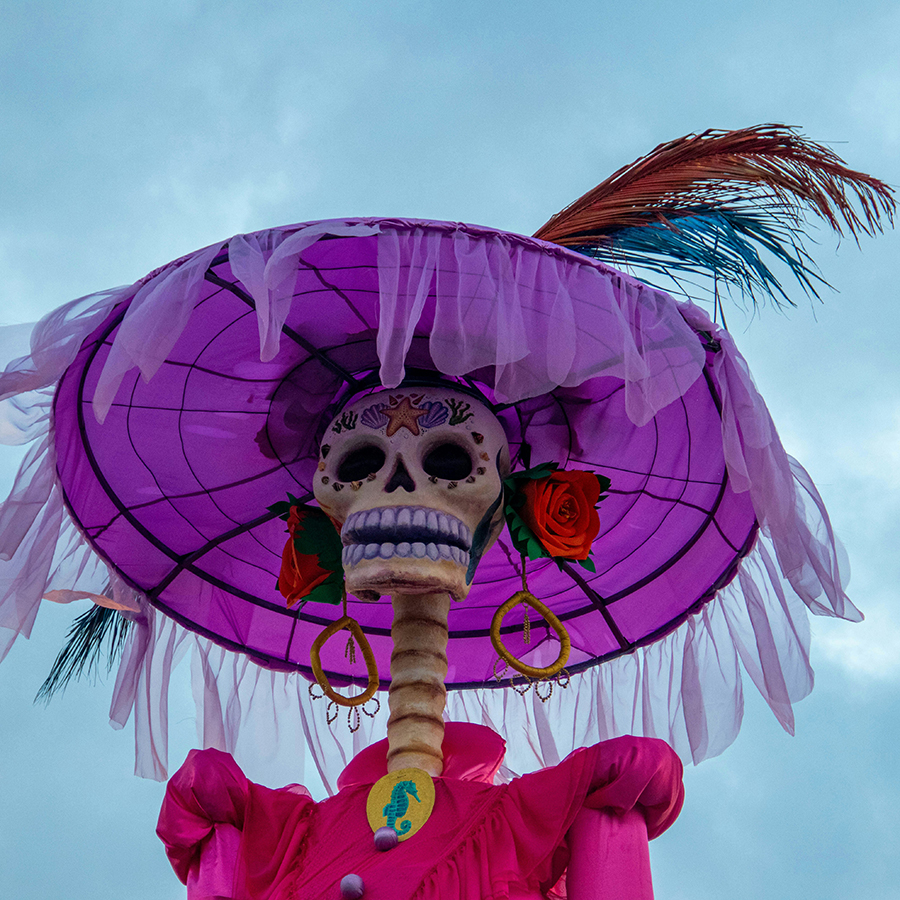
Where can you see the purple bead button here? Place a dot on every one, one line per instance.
(352, 887)
(386, 838)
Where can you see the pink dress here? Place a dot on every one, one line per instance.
(227, 837)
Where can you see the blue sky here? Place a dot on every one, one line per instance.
(132, 133)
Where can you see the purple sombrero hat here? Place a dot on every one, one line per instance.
(186, 404)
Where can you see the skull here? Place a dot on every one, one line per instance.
(414, 479)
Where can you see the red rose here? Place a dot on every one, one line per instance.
(300, 574)
(560, 511)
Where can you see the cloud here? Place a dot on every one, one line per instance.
(869, 650)
(875, 101)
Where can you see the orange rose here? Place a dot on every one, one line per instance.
(560, 511)
(300, 574)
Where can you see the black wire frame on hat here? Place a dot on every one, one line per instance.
(289, 424)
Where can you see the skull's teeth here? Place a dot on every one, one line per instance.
(355, 553)
(406, 525)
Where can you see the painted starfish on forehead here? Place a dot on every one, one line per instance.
(403, 415)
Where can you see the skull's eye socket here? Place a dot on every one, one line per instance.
(359, 463)
(449, 461)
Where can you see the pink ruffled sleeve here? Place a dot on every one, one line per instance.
(221, 830)
(638, 773)
(208, 790)
(636, 795)
(635, 782)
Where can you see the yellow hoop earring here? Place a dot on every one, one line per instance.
(565, 642)
(351, 625)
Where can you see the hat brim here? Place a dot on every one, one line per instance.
(584, 366)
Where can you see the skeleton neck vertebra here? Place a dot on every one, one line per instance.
(417, 693)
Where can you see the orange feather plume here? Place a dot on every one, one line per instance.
(769, 168)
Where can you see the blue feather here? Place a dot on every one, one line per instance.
(726, 244)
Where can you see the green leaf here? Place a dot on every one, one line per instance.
(535, 549)
(523, 538)
(317, 536)
(513, 482)
(329, 591)
(282, 509)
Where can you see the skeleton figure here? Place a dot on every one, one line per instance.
(413, 478)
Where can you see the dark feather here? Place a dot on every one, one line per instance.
(84, 649)
(709, 203)
(722, 242)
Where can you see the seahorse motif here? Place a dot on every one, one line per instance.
(399, 804)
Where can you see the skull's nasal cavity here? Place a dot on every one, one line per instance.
(400, 478)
